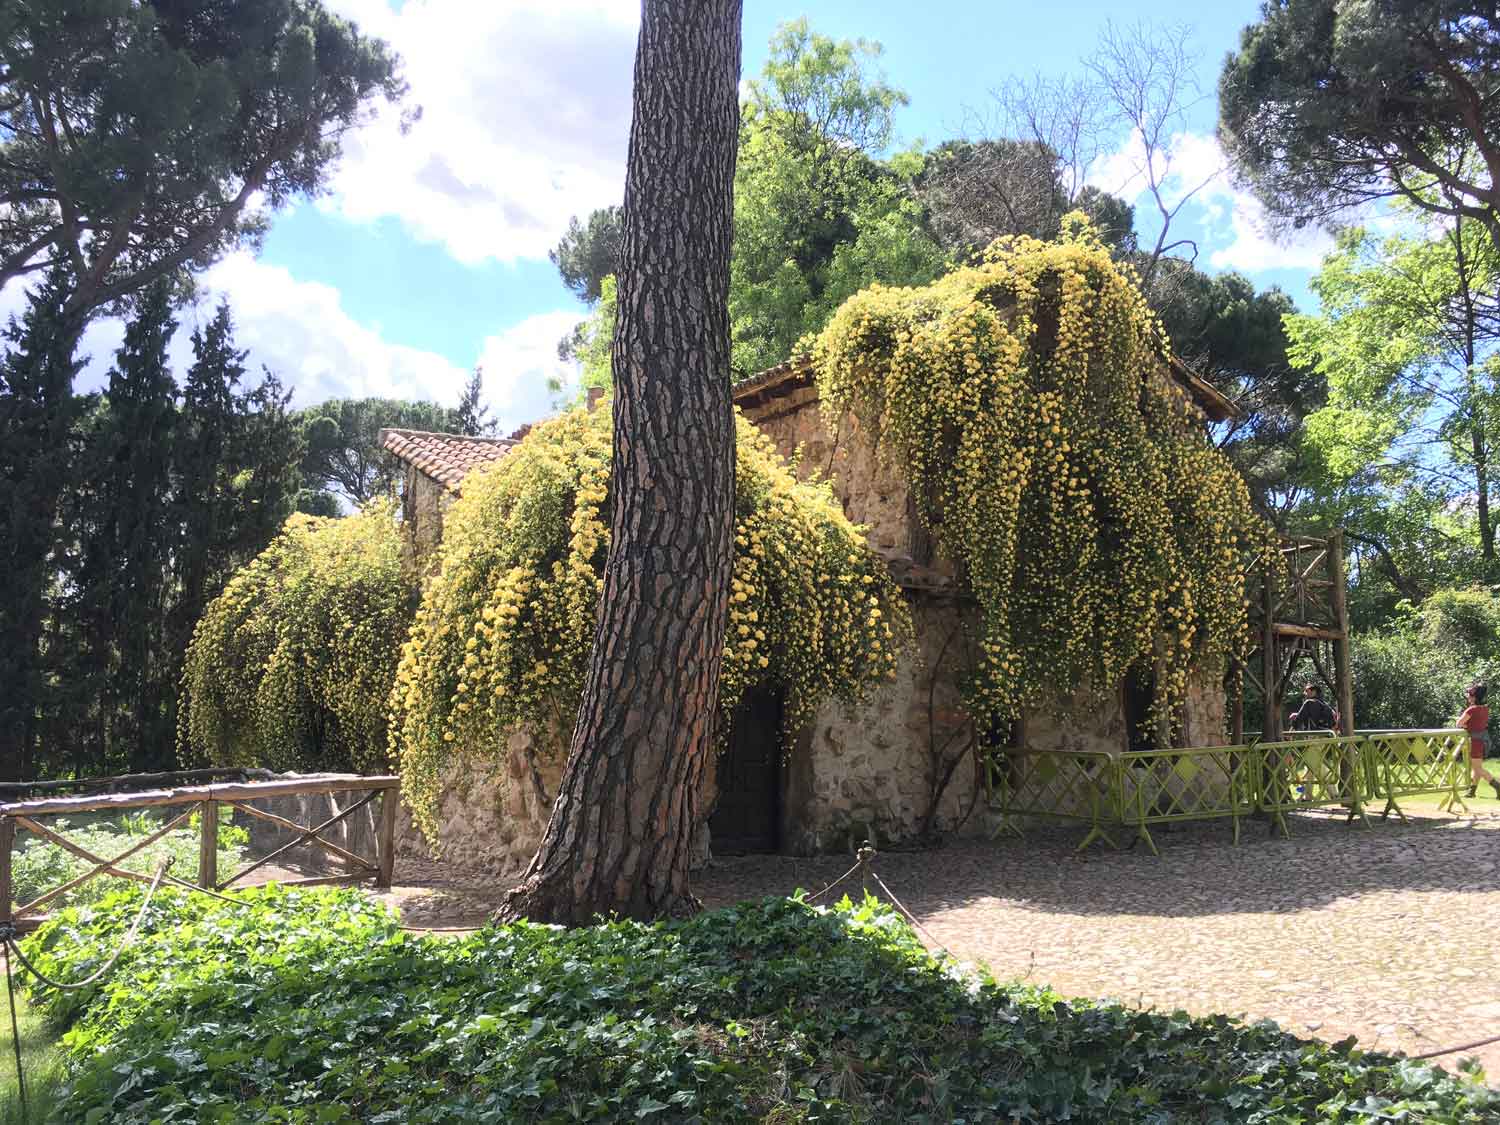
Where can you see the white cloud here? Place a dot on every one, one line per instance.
(301, 332)
(525, 118)
(521, 362)
(1226, 222)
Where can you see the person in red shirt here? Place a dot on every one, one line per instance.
(1476, 720)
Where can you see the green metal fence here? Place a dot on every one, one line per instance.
(1311, 773)
(1406, 763)
(1137, 790)
(1201, 783)
(1059, 784)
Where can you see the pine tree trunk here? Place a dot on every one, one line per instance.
(621, 830)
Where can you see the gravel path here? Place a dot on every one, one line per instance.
(1388, 934)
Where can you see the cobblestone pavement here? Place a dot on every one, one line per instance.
(1388, 933)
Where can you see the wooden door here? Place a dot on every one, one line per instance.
(747, 817)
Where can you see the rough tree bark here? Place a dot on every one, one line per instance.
(621, 830)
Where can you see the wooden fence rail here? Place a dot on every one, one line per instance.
(17, 816)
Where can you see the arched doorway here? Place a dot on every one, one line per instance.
(747, 817)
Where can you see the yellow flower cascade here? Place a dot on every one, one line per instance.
(503, 634)
(291, 666)
(1056, 463)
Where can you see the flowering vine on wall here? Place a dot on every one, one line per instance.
(503, 634)
(292, 665)
(1027, 401)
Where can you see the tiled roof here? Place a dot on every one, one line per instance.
(446, 458)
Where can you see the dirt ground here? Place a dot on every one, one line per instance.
(1387, 933)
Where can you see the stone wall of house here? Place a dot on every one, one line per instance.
(872, 768)
(1206, 708)
(423, 502)
(492, 812)
(871, 491)
(1093, 720)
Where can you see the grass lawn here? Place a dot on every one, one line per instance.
(40, 1056)
(1483, 802)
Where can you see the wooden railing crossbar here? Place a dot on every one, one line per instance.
(101, 866)
(306, 834)
(205, 800)
(327, 845)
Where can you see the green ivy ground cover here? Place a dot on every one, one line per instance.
(312, 1006)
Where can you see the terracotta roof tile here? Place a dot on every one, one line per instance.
(446, 458)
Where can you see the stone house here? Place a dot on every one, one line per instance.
(901, 766)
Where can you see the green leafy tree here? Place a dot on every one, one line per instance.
(589, 252)
(1234, 336)
(1330, 105)
(818, 215)
(591, 340)
(1411, 672)
(976, 191)
(236, 474)
(1411, 368)
(134, 134)
(342, 456)
(37, 413)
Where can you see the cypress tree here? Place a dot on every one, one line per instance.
(126, 533)
(237, 471)
(37, 412)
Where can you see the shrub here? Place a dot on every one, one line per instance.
(1054, 459)
(503, 635)
(1412, 673)
(309, 1006)
(291, 666)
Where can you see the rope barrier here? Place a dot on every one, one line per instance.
(910, 917)
(183, 883)
(140, 916)
(814, 898)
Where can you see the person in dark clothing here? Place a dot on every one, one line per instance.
(1314, 714)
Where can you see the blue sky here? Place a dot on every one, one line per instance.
(428, 253)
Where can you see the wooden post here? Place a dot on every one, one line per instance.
(387, 841)
(7, 842)
(1270, 675)
(208, 845)
(1342, 672)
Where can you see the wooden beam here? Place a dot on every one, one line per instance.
(324, 880)
(386, 844)
(139, 780)
(191, 795)
(208, 844)
(7, 845)
(1311, 632)
(1342, 671)
(1270, 726)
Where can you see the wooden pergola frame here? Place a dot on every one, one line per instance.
(1298, 608)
